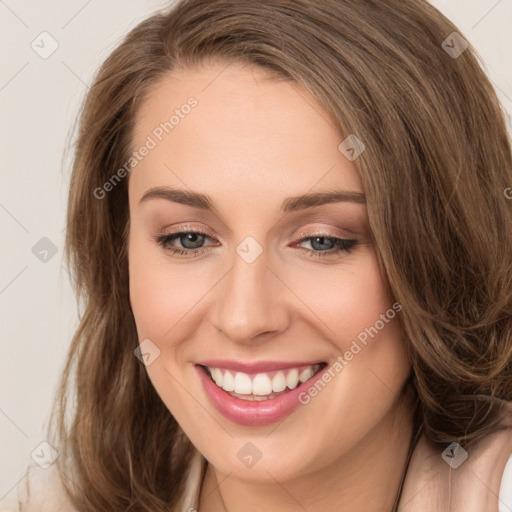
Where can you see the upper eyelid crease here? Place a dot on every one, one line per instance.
(162, 239)
(290, 204)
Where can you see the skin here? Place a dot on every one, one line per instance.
(250, 143)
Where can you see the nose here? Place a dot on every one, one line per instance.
(251, 303)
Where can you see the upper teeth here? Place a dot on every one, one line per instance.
(261, 383)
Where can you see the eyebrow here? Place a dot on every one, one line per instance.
(290, 204)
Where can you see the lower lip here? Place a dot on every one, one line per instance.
(254, 413)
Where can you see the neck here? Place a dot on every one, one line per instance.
(368, 477)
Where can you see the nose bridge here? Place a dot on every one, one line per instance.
(250, 301)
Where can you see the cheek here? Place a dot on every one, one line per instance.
(347, 299)
(334, 304)
(358, 316)
(161, 293)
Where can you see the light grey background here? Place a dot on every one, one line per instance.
(39, 100)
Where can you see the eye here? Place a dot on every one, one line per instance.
(192, 243)
(328, 246)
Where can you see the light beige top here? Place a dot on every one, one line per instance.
(42, 490)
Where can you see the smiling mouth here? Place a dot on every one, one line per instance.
(261, 386)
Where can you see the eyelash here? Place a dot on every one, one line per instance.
(342, 245)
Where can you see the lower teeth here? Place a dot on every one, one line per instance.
(256, 398)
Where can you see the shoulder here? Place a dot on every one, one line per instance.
(193, 483)
(435, 480)
(40, 490)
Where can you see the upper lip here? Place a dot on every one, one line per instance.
(255, 366)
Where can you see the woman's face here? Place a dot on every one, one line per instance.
(264, 287)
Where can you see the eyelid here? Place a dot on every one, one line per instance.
(306, 233)
(187, 228)
(326, 232)
(340, 242)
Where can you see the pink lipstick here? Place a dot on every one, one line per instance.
(257, 393)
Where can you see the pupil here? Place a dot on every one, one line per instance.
(321, 238)
(193, 238)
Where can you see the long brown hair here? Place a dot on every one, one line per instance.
(434, 171)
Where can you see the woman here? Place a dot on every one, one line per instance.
(288, 225)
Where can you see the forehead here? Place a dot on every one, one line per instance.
(246, 132)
